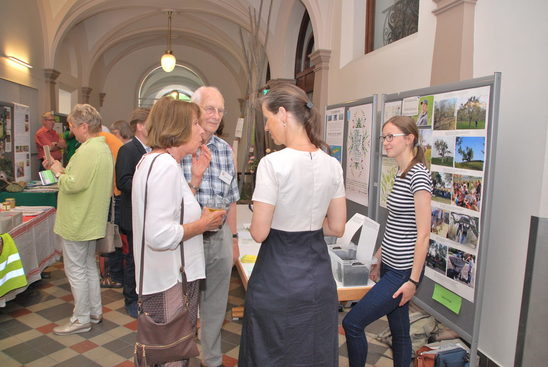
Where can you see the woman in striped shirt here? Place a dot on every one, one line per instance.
(403, 251)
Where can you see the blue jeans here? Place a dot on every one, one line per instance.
(375, 304)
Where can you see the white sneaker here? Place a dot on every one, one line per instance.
(95, 319)
(72, 328)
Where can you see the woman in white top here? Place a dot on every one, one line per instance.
(291, 302)
(173, 132)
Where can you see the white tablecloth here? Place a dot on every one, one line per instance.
(38, 247)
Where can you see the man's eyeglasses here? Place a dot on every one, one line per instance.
(210, 110)
(389, 137)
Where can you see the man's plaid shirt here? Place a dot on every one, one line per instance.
(221, 160)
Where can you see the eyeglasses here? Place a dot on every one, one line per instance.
(210, 110)
(390, 137)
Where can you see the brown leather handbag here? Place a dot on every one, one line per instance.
(423, 359)
(163, 342)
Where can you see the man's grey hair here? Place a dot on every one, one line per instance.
(85, 113)
(199, 93)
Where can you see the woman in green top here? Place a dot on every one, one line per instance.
(85, 187)
(72, 145)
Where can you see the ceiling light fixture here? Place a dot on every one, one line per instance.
(168, 59)
(19, 61)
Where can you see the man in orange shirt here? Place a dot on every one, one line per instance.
(47, 136)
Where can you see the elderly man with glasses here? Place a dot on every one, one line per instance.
(214, 180)
(47, 136)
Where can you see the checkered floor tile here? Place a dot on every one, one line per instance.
(26, 323)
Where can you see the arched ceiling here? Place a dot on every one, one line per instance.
(88, 37)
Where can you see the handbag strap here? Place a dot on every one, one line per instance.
(141, 273)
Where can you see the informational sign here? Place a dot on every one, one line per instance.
(453, 133)
(21, 142)
(334, 132)
(358, 150)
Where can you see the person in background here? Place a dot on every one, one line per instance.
(423, 117)
(121, 130)
(291, 304)
(400, 259)
(112, 274)
(72, 145)
(173, 131)
(221, 247)
(128, 156)
(85, 187)
(46, 135)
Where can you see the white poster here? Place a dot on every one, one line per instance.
(334, 131)
(358, 153)
(21, 142)
(453, 133)
(457, 150)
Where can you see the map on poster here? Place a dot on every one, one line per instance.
(358, 153)
(453, 133)
(334, 132)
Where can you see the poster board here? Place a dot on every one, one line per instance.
(6, 138)
(457, 126)
(21, 142)
(350, 131)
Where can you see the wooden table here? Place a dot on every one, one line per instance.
(250, 247)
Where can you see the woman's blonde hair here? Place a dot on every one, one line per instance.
(169, 123)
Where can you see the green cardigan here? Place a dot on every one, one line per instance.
(84, 192)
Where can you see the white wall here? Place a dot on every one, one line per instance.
(512, 38)
(403, 65)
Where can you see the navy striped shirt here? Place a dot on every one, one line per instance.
(400, 234)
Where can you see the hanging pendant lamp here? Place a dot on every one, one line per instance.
(168, 59)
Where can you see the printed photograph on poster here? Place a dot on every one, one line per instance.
(391, 109)
(409, 107)
(336, 151)
(442, 186)
(461, 266)
(440, 222)
(470, 152)
(472, 111)
(358, 153)
(334, 131)
(463, 229)
(445, 114)
(7, 146)
(436, 258)
(443, 150)
(389, 171)
(426, 106)
(425, 141)
(467, 192)
(20, 169)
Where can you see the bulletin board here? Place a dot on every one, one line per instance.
(350, 131)
(457, 126)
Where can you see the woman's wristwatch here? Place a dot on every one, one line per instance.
(414, 282)
(235, 235)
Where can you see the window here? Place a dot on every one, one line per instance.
(389, 20)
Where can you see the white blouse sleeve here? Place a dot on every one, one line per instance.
(163, 229)
(340, 191)
(266, 185)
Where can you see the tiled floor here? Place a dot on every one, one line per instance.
(26, 323)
